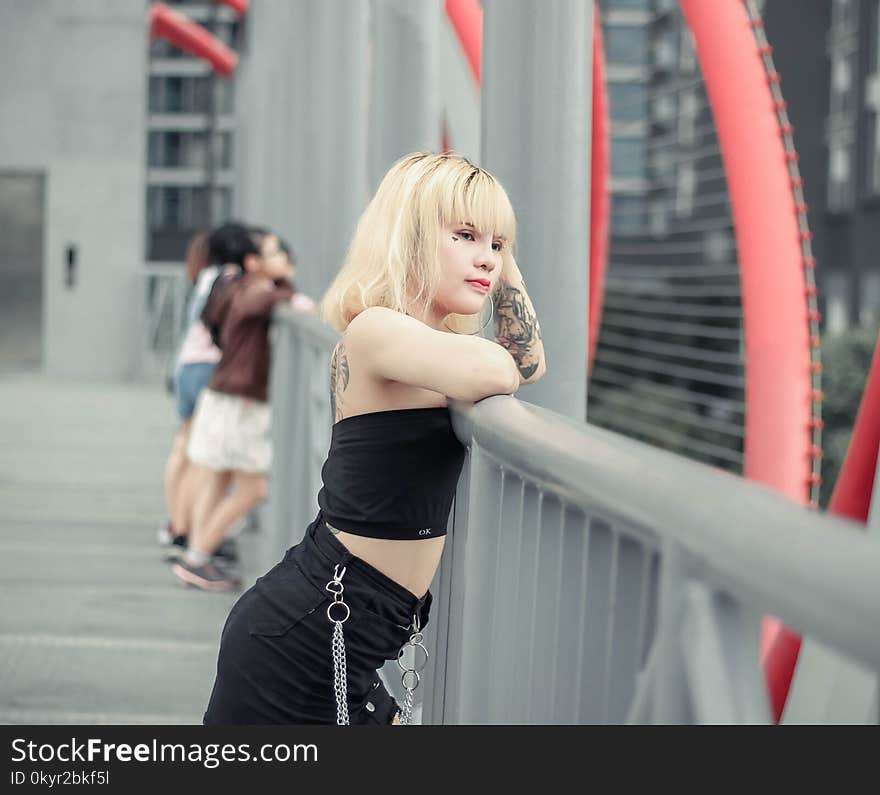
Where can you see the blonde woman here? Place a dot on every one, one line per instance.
(305, 643)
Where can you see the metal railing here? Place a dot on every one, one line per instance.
(164, 291)
(590, 578)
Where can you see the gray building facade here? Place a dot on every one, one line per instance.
(72, 171)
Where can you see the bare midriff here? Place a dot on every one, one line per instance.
(411, 564)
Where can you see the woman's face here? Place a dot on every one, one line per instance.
(275, 264)
(470, 263)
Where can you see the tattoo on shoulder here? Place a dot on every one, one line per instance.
(339, 375)
(516, 328)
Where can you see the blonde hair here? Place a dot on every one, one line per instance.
(393, 256)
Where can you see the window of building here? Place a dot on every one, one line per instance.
(658, 217)
(224, 96)
(160, 48)
(178, 207)
(685, 188)
(627, 101)
(869, 298)
(835, 293)
(179, 149)
(687, 52)
(663, 49)
(627, 215)
(222, 205)
(178, 94)
(639, 5)
(662, 161)
(872, 105)
(843, 54)
(628, 158)
(625, 44)
(223, 150)
(663, 107)
(689, 110)
(844, 14)
(841, 182)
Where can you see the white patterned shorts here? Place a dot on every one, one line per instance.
(231, 433)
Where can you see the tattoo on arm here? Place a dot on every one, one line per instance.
(516, 328)
(339, 375)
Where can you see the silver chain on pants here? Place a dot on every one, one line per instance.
(410, 677)
(337, 645)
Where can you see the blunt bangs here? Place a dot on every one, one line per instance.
(477, 198)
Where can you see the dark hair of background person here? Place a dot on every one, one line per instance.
(231, 243)
(197, 255)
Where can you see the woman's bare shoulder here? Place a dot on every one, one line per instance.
(377, 320)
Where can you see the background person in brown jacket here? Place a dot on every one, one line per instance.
(230, 437)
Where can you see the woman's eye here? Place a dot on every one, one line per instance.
(466, 235)
(497, 246)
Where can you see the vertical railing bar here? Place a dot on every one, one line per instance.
(641, 640)
(609, 629)
(519, 640)
(517, 541)
(557, 613)
(533, 617)
(156, 317)
(582, 629)
(497, 596)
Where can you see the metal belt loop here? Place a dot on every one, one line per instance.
(337, 646)
(410, 677)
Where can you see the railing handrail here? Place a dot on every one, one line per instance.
(170, 268)
(818, 573)
(312, 325)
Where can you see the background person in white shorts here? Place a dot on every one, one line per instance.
(232, 424)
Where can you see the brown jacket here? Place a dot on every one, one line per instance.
(240, 308)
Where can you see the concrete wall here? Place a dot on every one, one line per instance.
(327, 96)
(405, 114)
(459, 94)
(72, 97)
(536, 126)
(301, 127)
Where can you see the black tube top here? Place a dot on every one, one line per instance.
(392, 474)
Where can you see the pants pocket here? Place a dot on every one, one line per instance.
(284, 600)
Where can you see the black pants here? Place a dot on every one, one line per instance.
(275, 664)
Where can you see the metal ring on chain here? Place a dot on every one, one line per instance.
(415, 666)
(416, 679)
(338, 604)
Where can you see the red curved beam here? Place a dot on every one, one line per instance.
(466, 17)
(599, 203)
(165, 23)
(773, 287)
(239, 6)
(852, 491)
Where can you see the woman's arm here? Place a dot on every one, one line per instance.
(388, 345)
(516, 324)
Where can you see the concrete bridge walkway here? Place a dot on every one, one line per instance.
(94, 627)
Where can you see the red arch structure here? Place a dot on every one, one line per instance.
(779, 325)
(780, 321)
(599, 192)
(852, 491)
(166, 23)
(466, 17)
